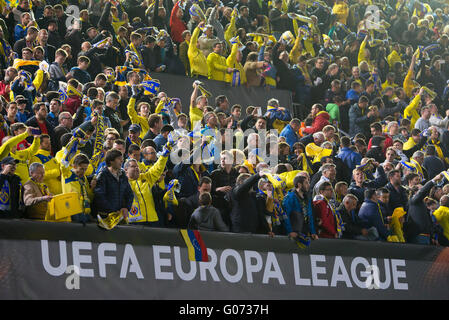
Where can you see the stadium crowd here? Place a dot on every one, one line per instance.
(362, 153)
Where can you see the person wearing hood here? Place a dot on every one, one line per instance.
(320, 119)
(376, 151)
(206, 217)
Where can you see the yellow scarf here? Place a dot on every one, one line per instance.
(72, 91)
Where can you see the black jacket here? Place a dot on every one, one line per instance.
(111, 194)
(351, 222)
(418, 215)
(32, 122)
(397, 198)
(245, 218)
(221, 178)
(15, 191)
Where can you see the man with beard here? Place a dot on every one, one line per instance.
(5, 84)
(298, 207)
(39, 120)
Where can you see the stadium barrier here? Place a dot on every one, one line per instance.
(41, 260)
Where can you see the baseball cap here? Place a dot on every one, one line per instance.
(21, 99)
(9, 160)
(135, 128)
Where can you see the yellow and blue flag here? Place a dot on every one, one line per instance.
(302, 241)
(62, 95)
(151, 86)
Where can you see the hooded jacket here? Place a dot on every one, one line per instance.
(319, 122)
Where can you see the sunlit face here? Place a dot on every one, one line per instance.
(12, 110)
(358, 176)
(182, 122)
(27, 55)
(144, 110)
(132, 171)
(261, 124)
(119, 147)
(134, 135)
(38, 55)
(46, 144)
(150, 154)
(38, 174)
(397, 145)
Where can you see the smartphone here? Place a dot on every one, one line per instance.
(35, 132)
(442, 61)
(259, 111)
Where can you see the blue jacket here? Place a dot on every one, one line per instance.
(290, 135)
(277, 114)
(358, 121)
(112, 194)
(291, 203)
(352, 95)
(187, 178)
(371, 215)
(370, 182)
(350, 157)
(160, 141)
(19, 32)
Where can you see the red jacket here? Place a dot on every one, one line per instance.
(388, 142)
(177, 26)
(72, 104)
(326, 225)
(4, 90)
(319, 122)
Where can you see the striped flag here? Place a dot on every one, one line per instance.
(302, 241)
(195, 245)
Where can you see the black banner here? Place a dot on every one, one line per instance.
(40, 260)
(181, 87)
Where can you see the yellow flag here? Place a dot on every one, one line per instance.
(63, 206)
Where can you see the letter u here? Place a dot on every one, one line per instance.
(59, 270)
(387, 282)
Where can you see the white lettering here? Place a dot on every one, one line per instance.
(395, 263)
(59, 270)
(252, 268)
(159, 262)
(383, 285)
(355, 262)
(314, 258)
(339, 273)
(296, 269)
(178, 266)
(79, 258)
(130, 259)
(269, 273)
(223, 268)
(104, 260)
(209, 266)
(73, 281)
